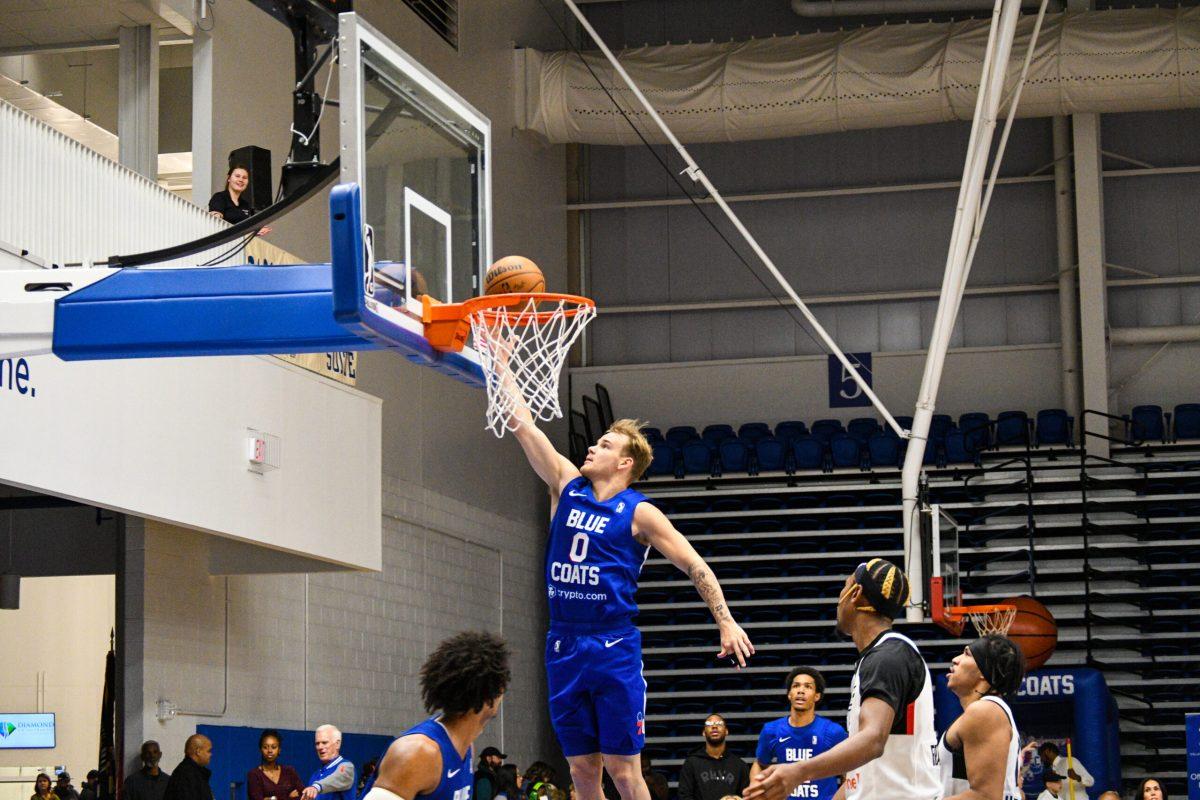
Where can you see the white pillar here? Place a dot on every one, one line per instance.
(131, 630)
(137, 99)
(202, 117)
(1093, 307)
(1068, 306)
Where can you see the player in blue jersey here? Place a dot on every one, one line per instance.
(463, 682)
(801, 734)
(600, 534)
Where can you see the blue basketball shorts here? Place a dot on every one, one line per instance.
(597, 692)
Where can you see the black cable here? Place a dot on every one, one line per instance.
(787, 305)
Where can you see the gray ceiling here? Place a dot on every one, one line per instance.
(25, 23)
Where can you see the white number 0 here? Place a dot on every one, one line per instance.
(579, 547)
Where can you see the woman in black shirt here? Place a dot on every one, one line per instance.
(229, 203)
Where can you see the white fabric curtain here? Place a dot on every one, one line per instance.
(1141, 59)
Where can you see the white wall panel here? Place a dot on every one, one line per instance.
(165, 439)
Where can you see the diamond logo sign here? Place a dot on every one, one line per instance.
(6, 728)
(26, 731)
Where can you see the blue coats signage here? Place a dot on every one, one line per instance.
(844, 391)
(1193, 755)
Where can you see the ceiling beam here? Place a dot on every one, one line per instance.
(77, 47)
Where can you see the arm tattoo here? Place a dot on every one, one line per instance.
(709, 590)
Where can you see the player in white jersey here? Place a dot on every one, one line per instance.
(980, 753)
(891, 750)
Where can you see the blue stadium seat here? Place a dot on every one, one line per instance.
(1187, 421)
(957, 451)
(824, 429)
(734, 456)
(845, 451)
(863, 428)
(726, 527)
(1012, 428)
(663, 462)
(790, 429)
(1146, 424)
(883, 451)
(809, 453)
(977, 432)
(751, 432)
(933, 452)
(1053, 427)
(765, 503)
(766, 525)
(653, 435)
(697, 458)
(713, 435)
(771, 454)
(680, 435)
(728, 504)
(905, 422)
(940, 425)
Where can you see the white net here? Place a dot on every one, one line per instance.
(522, 349)
(997, 620)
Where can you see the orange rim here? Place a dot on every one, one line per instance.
(447, 325)
(956, 613)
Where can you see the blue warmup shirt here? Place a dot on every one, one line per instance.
(593, 561)
(780, 743)
(325, 770)
(456, 778)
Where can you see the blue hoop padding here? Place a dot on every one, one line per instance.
(244, 310)
(349, 301)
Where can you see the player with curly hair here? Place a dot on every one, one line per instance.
(462, 684)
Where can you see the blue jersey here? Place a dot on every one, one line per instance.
(456, 778)
(780, 743)
(324, 771)
(593, 561)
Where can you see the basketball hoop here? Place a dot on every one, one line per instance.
(522, 341)
(985, 619)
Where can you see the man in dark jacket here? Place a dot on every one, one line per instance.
(712, 772)
(189, 781)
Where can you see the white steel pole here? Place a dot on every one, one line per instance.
(695, 173)
(966, 220)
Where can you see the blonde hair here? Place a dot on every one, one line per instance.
(636, 446)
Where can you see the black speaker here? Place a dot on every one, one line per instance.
(258, 161)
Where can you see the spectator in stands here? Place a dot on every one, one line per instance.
(801, 734)
(228, 203)
(149, 782)
(91, 786)
(1109, 795)
(656, 782)
(712, 771)
(538, 776)
(271, 780)
(1053, 760)
(891, 691)
(334, 779)
(508, 782)
(490, 760)
(189, 781)
(367, 774)
(1054, 786)
(63, 789)
(42, 788)
(1151, 789)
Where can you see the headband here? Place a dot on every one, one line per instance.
(889, 608)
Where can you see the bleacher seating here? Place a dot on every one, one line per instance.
(782, 541)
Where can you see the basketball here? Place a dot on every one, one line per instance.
(513, 274)
(1034, 630)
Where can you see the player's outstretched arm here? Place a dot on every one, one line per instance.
(658, 532)
(777, 781)
(550, 465)
(984, 732)
(411, 766)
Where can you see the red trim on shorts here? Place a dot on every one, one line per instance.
(909, 714)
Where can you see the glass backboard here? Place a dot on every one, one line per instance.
(419, 155)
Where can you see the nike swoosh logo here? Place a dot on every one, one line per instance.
(783, 739)
(577, 494)
(452, 773)
(614, 641)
